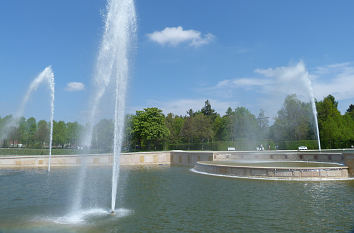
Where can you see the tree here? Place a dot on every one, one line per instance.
(149, 128)
(245, 124)
(22, 133)
(263, 124)
(350, 111)
(208, 111)
(174, 124)
(219, 128)
(31, 129)
(294, 121)
(102, 138)
(4, 129)
(73, 132)
(229, 111)
(42, 134)
(335, 130)
(59, 133)
(197, 129)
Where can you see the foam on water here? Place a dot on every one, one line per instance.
(83, 216)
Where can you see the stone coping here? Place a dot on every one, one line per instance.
(277, 173)
(270, 167)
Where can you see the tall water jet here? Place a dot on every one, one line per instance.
(308, 84)
(125, 29)
(314, 110)
(112, 67)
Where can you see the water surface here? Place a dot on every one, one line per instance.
(172, 200)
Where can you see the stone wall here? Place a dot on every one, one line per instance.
(126, 159)
(349, 161)
(189, 158)
(280, 155)
(179, 158)
(271, 172)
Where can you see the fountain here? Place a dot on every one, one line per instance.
(276, 165)
(112, 67)
(46, 75)
(169, 198)
(308, 84)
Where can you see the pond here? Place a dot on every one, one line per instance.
(171, 199)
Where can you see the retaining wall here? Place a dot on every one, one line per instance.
(273, 172)
(126, 159)
(180, 158)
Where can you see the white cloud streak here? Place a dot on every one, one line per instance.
(174, 36)
(271, 85)
(75, 86)
(335, 79)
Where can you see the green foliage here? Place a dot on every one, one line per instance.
(294, 121)
(42, 133)
(208, 111)
(59, 133)
(149, 128)
(102, 138)
(350, 111)
(245, 124)
(202, 129)
(335, 130)
(174, 125)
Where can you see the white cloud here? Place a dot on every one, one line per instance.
(269, 86)
(176, 35)
(336, 79)
(75, 86)
(242, 82)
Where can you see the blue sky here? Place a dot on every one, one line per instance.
(234, 53)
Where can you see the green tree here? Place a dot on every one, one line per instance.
(31, 128)
(42, 134)
(263, 124)
(102, 138)
(22, 133)
(4, 129)
(208, 111)
(149, 128)
(350, 111)
(73, 132)
(294, 121)
(245, 124)
(197, 129)
(174, 124)
(335, 130)
(59, 133)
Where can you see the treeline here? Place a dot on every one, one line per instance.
(204, 129)
(30, 133)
